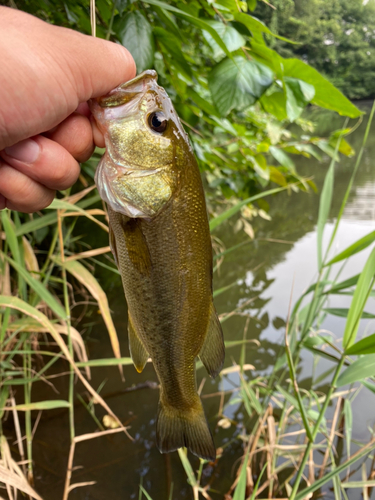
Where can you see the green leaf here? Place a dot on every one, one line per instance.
(364, 346)
(361, 368)
(230, 36)
(282, 158)
(362, 291)
(252, 4)
(145, 492)
(238, 83)
(256, 26)
(11, 237)
(200, 23)
(240, 491)
(326, 95)
(324, 208)
(275, 103)
(343, 285)
(328, 149)
(172, 46)
(168, 21)
(135, 33)
(343, 312)
(356, 247)
(299, 94)
(182, 452)
(105, 362)
(43, 405)
(201, 102)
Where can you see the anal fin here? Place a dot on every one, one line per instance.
(137, 350)
(212, 353)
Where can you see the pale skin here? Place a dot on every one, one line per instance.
(48, 74)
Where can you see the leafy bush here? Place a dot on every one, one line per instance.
(235, 95)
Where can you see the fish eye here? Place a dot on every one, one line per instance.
(157, 121)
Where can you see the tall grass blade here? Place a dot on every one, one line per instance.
(361, 294)
(49, 219)
(240, 492)
(364, 346)
(215, 222)
(87, 279)
(141, 488)
(324, 208)
(38, 288)
(361, 368)
(254, 494)
(105, 362)
(182, 452)
(356, 247)
(41, 405)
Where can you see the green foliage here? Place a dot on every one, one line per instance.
(235, 95)
(335, 37)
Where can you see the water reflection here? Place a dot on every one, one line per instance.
(263, 272)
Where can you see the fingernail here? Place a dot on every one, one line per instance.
(26, 151)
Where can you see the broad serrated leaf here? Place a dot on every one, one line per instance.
(326, 95)
(238, 83)
(275, 104)
(299, 94)
(256, 26)
(200, 23)
(135, 33)
(230, 36)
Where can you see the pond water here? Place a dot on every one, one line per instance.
(265, 272)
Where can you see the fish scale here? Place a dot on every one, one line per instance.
(160, 238)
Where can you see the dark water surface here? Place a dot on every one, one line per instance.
(263, 270)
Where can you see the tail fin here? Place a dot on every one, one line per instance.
(177, 428)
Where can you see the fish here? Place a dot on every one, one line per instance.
(159, 235)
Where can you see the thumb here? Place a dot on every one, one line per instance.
(49, 71)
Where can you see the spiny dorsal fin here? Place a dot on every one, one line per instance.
(137, 351)
(212, 353)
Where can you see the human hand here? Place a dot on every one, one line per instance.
(47, 75)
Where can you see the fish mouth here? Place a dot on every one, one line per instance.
(128, 90)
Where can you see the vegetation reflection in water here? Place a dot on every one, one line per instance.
(250, 419)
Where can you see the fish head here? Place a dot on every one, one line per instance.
(145, 146)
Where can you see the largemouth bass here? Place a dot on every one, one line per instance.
(160, 239)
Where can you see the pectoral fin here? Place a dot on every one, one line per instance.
(136, 245)
(112, 244)
(212, 353)
(137, 351)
